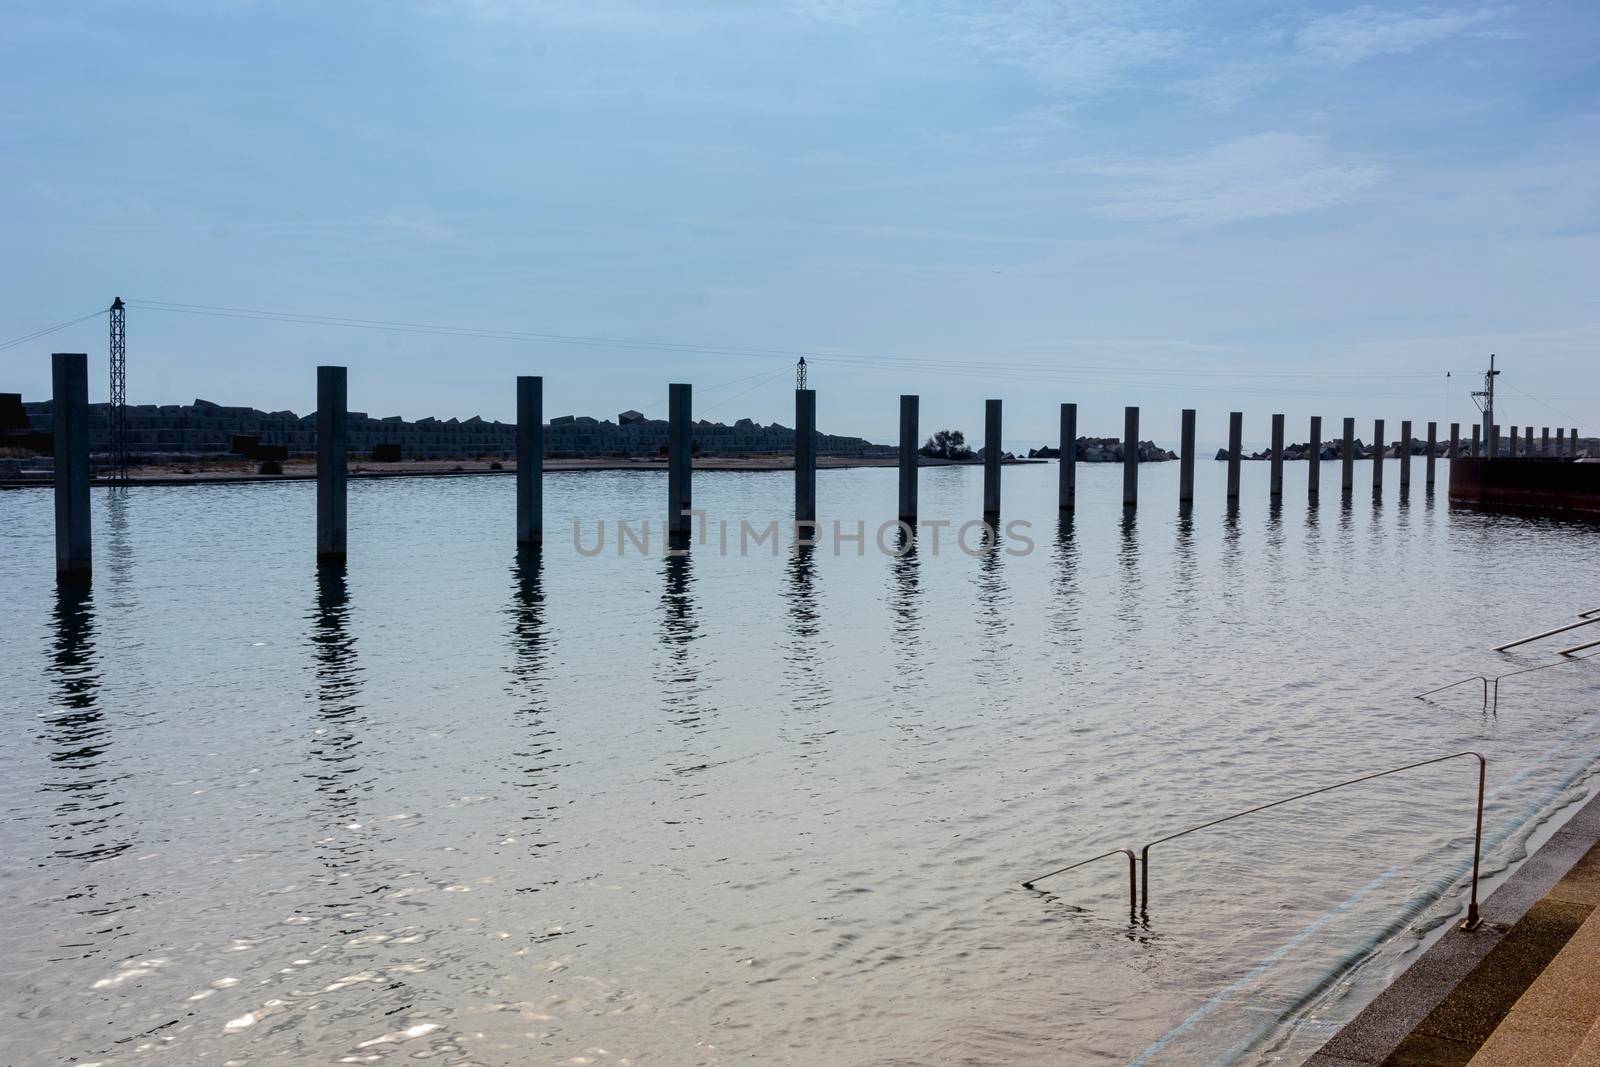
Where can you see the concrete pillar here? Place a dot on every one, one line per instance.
(1527, 441)
(680, 444)
(1276, 483)
(1377, 454)
(1572, 443)
(1235, 445)
(1561, 442)
(908, 458)
(1186, 458)
(1314, 459)
(1511, 444)
(1476, 443)
(1069, 457)
(1544, 442)
(991, 457)
(333, 457)
(1405, 454)
(1491, 447)
(1347, 456)
(1130, 457)
(1455, 440)
(69, 375)
(805, 455)
(530, 459)
(1433, 448)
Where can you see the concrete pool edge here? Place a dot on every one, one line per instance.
(1378, 1030)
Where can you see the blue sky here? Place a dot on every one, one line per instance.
(1316, 209)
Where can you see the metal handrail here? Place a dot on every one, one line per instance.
(1491, 696)
(1472, 920)
(1529, 670)
(1464, 681)
(1585, 616)
(1133, 882)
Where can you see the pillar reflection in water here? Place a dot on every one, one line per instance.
(996, 675)
(905, 606)
(535, 753)
(336, 745)
(1186, 565)
(679, 673)
(84, 823)
(1067, 606)
(1232, 578)
(806, 650)
(1129, 611)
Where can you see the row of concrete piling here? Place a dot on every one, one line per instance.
(71, 409)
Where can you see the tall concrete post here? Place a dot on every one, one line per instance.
(1276, 483)
(1572, 443)
(1186, 457)
(1130, 457)
(69, 380)
(1433, 449)
(1405, 455)
(1314, 468)
(1377, 455)
(530, 459)
(1069, 457)
(991, 457)
(1491, 447)
(1347, 456)
(333, 458)
(1527, 441)
(908, 458)
(1455, 439)
(805, 455)
(680, 445)
(1477, 445)
(1511, 444)
(1235, 445)
(1561, 442)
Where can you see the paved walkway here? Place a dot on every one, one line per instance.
(1558, 1019)
(1523, 991)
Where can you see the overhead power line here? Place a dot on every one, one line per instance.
(920, 362)
(35, 335)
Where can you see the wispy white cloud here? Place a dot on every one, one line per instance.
(1280, 50)
(1260, 176)
(1084, 46)
(843, 11)
(1368, 32)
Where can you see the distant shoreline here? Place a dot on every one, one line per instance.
(235, 472)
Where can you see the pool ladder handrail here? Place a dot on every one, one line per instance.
(1471, 922)
(1464, 681)
(1133, 880)
(1589, 619)
(1491, 686)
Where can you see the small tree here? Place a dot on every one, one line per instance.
(947, 444)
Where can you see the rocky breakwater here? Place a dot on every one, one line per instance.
(1106, 450)
(1335, 450)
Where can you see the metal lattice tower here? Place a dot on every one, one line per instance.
(1484, 398)
(118, 411)
(800, 373)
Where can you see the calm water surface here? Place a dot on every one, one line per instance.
(463, 805)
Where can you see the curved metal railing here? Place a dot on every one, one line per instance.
(1133, 880)
(1464, 681)
(1472, 919)
(1141, 888)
